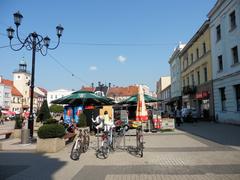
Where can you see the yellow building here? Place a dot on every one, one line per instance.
(196, 73)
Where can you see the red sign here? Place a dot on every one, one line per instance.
(201, 95)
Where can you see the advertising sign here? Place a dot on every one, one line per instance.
(167, 124)
(77, 111)
(68, 114)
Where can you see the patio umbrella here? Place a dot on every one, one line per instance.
(133, 99)
(83, 98)
(141, 114)
(8, 113)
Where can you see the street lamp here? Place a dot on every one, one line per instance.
(35, 43)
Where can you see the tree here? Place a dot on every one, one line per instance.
(44, 113)
(56, 108)
(82, 122)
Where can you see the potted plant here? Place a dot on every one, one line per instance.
(50, 137)
(18, 126)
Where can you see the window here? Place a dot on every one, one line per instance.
(205, 74)
(204, 48)
(235, 55)
(56, 96)
(223, 98)
(192, 79)
(19, 77)
(237, 89)
(220, 63)
(184, 83)
(232, 20)
(197, 52)
(188, 81)
(51, 96)
(198, 77)
(218, 32)
(191, 57)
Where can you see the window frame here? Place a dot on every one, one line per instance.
(232, 20)
(235, 54)
(218, 32)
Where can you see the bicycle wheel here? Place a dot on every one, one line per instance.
(75, 152)
(105, 150)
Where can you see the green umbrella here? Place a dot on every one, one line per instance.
(133, 99)
(83, 98)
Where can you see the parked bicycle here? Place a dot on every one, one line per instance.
(80, 145)
(138, 150)
(107, 144)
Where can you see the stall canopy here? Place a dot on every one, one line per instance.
(84, 98)
(133, 99)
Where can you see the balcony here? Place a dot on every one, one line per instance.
(189, 90)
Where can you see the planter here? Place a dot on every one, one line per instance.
(50, 145)
(17, 133)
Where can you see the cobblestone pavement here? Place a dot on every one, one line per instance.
(182, 154)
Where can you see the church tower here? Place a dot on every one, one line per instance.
(21, 80)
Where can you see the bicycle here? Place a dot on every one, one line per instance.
(86, 140)
(78, 147)
(138, 150)
(107, 144)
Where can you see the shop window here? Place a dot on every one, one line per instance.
(237, 90)
(223, 98)
(235, 55)
(232, 18)
(218, 32)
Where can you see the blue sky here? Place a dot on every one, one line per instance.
(119, 41)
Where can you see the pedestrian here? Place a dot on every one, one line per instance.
(178, 116)
(108, 122)
(1, 118)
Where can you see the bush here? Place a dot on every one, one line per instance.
(82, 120)
(51, 131)
(51, 121)
(44, 113)
(18, 124)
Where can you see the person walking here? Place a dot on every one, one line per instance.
(178, 116)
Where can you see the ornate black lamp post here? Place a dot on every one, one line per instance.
(35, 43)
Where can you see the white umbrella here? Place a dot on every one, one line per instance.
(141, 114)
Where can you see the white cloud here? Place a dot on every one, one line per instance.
(121, 59)
(92, 68)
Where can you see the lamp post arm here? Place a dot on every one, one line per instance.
(14, 48)
(44, 53)
(56, 45)
(19, 37)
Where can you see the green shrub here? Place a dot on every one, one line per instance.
(51, 131)
(18, 124)
(82, 122)
(50, 121)
(44, 113)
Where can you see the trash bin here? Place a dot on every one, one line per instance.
(25, 133)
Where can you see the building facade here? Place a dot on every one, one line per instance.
(175, 70)
(163, 83)
(53, 95)
(196, 73)
(225, 39)
(21, 80)
(165, 96)
(5, 94)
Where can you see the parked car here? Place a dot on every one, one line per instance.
(189, 114)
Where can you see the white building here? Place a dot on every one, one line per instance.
(225, 39)
(21, 80)
(52, 95)
(5, 95)
(162, 84)
(175, 70)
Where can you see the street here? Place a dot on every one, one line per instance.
(201, 150)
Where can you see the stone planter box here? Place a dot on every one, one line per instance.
(17, 133)
(50, 145)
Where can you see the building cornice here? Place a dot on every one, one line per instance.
(196, 36)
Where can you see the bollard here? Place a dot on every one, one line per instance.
(25, 133)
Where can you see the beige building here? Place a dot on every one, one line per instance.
(196, 73)
(162, 84)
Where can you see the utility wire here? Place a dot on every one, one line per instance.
(67, 70)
